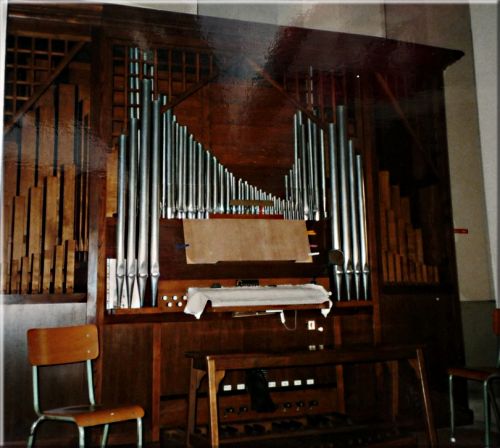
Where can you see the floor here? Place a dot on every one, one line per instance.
(471, 436)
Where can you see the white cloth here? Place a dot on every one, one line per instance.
(197, 298)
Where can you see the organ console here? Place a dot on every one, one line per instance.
(175, 165)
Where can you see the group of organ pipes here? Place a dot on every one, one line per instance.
(163, 172)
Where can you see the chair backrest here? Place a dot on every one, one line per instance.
(62, 345)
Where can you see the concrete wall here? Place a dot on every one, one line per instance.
(484, 21)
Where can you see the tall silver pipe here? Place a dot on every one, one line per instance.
(163, 163)
(208, 186)
(131, 85)
(304, 158)
(178, 169)
(337, 269)
(167, 171)
(286, 187)
(137, 88)
(296, 143)
(199, 180)
(314, 146)
(174, 165)
(120, 223)
(154, 244)
(220, 172)
(191, 173)
(362, 227)
(132, 212)
(300, 188)
(344, 200)
(228, 190)
(233, 193)
(185, 170)
(240, 195)
(215, 181)
(354, 221)
(322, 172)
(142, 253)
(181, 208)
(310, 171)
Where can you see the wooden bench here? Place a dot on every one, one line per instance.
(215, 365)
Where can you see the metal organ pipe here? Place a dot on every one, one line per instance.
(120, 223)
(132, 208)
(354, 220)
(179, 178)
(344, 200)
(362, 226)
(154, 251)
(338, 271)
(144, 170)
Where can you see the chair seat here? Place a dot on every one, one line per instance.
(89, 415)
(474, 373)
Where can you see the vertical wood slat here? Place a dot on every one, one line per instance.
(18, 241)
(401, 244)
(68, 202)
(47, 276)
(50, 236)
(9, 193)
(6, 242)
(27, 154)
(36, 280)
(66, 124)
(69, 277)
(84, 178)
(25, 275)
(384, 190)
(46, 134)
(59, 269)
(35, 220)
(51, 212)
(15, 279)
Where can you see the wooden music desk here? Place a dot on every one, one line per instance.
(215, 365)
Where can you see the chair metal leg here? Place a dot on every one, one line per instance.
(493, 401)
(486, 405)
(139, 432)
(31, 438)
(452, 409)
(81, 437)
(104, 439)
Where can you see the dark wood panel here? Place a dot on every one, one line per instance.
(127, 362)
(173, 258)
(242, 334)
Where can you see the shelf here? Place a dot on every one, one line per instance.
(38, 299)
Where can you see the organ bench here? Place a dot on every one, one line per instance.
(215, 366)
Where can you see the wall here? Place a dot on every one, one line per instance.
(484, 19)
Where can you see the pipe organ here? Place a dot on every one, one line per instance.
(171, 175)
(302, 146)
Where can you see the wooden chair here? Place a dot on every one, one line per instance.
(487, 376)
(65, 345)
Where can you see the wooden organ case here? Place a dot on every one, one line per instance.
(243, 112)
